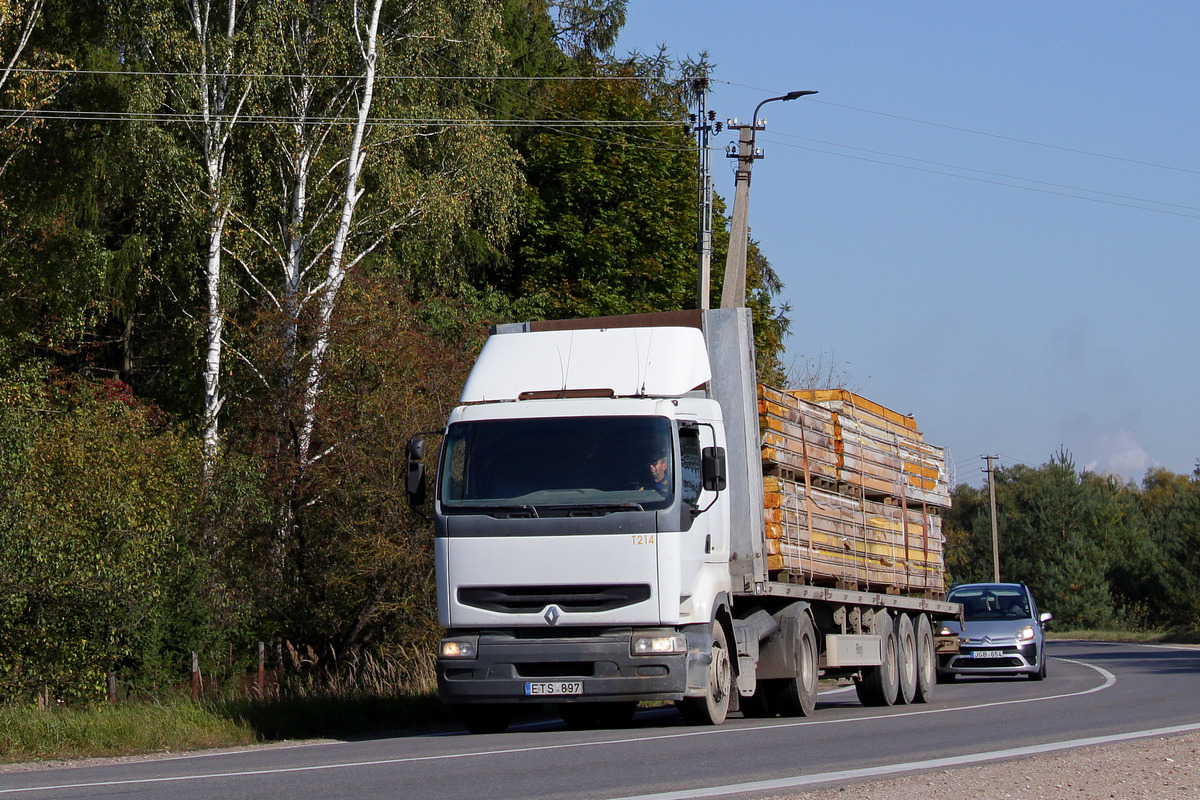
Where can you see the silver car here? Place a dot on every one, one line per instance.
(1004, 634)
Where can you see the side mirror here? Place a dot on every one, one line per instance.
(712, 469)
(416, 472)
(1045, 617)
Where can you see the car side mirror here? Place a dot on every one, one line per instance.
(415, 483)
(1045, 617)
(712, 469)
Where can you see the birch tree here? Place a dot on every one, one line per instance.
(201, 51)
(17, 21)
(349, 179)
(28, 76)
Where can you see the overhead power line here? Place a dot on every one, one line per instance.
(263, 75)
(987, 172)
(270, 119)
(974, 132)
(1031, 142)
(999, 182)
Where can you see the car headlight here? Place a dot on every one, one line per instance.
(1025, 635)
(945, 631)
(459, 648)
(654, 644)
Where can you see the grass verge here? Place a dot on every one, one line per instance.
(30, 734)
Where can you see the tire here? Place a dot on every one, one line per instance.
(713, 707)
(586, 716)
(927, 677)
(879, 685)
(480, 719)
(906, 659)
(797, 697)
(1040, 675)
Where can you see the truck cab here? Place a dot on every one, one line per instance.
(581, 527)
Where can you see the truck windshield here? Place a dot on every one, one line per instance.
(560, 465)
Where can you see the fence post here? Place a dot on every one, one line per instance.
(195, 676)
(262, 669)
(112, 688)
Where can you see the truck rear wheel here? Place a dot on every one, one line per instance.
(907, 659)
(712, 708)
(797, 697)
(879, 685)
(926, 660)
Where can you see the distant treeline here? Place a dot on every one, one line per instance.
(246, 249)
(1097, 552)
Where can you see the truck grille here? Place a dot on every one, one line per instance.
(532, 599)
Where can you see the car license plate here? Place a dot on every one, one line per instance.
(988, 654)
(554, 687)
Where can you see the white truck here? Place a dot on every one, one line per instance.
(600, 538)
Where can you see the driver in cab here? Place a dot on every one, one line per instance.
(660, 473)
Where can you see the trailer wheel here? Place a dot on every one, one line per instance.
(480, 719)
(879, 685)
(926, 660)
(797, 697)
(712, 708)
(906, 659)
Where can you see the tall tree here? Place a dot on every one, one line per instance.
(380, 158)
(608, 226)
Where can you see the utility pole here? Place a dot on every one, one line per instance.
(733, 290)
(991, 473)
(703, 125)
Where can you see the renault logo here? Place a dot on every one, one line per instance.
(552, 614)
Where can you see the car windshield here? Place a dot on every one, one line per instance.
(991, 602)
(561, 463)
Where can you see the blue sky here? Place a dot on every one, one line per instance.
(989, 216)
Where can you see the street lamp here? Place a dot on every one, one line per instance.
(733, 290)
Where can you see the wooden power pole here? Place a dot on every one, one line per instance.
(991, 472)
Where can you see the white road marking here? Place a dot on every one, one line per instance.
(801, 781)
(1109, 680)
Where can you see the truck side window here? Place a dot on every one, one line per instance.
(689, 463)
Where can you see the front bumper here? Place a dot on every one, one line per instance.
(1010, 659)
(506, 661)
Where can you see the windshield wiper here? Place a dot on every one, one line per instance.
(508, 512)
(597, 509)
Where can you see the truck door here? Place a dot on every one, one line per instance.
(701, 540)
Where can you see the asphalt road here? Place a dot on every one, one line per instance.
(1093, 691)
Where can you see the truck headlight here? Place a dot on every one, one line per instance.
(459, 648)
(654, 644)
(1025, 635)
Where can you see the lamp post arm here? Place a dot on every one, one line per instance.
(733, 289)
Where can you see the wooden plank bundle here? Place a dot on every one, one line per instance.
(853, 493)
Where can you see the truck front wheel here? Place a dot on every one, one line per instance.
(712, 708)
